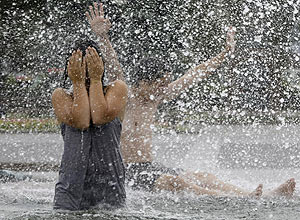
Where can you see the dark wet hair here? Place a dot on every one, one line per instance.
(149, 69)
(82, 44)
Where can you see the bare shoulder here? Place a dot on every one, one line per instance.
(62, 105)
(118, 85)
(58, 91)
(59, 94)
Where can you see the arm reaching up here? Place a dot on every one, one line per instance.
(101, 26)
(201, 71)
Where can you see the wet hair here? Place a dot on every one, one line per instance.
(82, 44)
(149, 69)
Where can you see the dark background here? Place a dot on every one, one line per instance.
(35, 34)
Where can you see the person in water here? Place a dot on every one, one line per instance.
(152, 87)
(92, 170)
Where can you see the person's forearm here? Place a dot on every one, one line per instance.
(211, 64)
(98, 103)
(111, 62)
(216, 61)
(203, 70)
(194, 75)
(81, 106)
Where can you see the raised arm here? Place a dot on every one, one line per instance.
(101, 26)
(73, 111)
(104, 108)
(201, 71)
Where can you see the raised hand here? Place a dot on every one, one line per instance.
(94, 64)
(230, 41)
(77, 67)
(99, 24)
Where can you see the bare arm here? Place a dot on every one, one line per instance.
(201, 71)
(101, 26)
(104, 108)
(73, 111)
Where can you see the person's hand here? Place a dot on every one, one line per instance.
(94, 64)
(230, 41)
(99, 24)
(77, 67)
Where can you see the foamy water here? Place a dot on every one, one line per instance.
(33, 199)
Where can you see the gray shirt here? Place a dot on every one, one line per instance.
(92, 171)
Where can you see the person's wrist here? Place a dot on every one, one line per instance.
(95, 78)
(103, 36)
(226, 51)
(96, 81)
(78, 83)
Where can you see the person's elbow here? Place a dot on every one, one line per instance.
(112, 114)
(114, 109)
(81, 125)
(56, 96)
(122, 86)
(108, 116)
(81, 121)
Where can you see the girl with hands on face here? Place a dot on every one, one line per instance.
(92, 170)
(78, 108)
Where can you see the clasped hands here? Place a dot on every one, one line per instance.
(78, 64)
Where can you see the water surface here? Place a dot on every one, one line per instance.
(32, 199)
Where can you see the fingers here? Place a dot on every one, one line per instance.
(93, 54)
(71, 58)
(76, 66)
(96, 9)
(88, 58)
(83, 61)
(88, 16)
(76, 58)
(108, 21)
(92, 12)
(70, 62)
(94, 64)
(101, 10)
(91, 57)
(83, 66)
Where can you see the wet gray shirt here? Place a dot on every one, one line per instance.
(92, 171)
